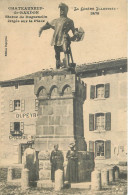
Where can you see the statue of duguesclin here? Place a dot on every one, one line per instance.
(61, 39)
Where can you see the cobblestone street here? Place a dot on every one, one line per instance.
(118, 188)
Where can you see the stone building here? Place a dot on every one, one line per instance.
(18, 119)
(105, 111)
(105, 125)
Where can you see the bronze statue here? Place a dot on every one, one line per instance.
(61, 39)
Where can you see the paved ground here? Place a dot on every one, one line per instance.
(118, 188)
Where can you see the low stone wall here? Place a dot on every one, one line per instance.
(3, 174)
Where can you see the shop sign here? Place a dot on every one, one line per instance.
(26, 115)
(17, 137)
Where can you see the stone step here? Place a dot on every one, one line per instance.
(45, 184)
(82, 185)
(14, 182)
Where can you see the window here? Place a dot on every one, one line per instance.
(16, 105)
(100, 121)
(16, 128)
(100, 148)
(100, 91)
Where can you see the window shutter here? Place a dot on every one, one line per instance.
(91, 146)
(91, 122)
(22, 127)
(92, 92)
(85, 92)
(11, 126)
(95, 119)
(108, 149)
(108, 121)
(36, 104)
(107, 90)
(22, 105)
(11, 105)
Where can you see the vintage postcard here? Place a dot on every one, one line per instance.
(63, 97)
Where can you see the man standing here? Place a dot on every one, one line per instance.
(56, 160)
(61, 40)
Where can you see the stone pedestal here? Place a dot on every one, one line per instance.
(60, 112)
(44, 170)
(25, 179)
(104, 177)
(59, 183)
(111, 175)
(96, 180)
(60, 118)
(116, 172)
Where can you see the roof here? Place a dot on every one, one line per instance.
(110, 64)
(80, 69)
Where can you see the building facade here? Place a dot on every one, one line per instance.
(18, 120)
(105, 116)
(104, 112)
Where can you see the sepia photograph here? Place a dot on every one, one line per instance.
(63, 97)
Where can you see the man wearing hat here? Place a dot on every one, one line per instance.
(61, 40)
(56, 160)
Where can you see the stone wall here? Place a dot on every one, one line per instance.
(54, 123)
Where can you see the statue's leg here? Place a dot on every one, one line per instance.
(57, 56)
(67, 59)
(66, 52)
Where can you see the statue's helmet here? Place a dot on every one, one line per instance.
(64, 7)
